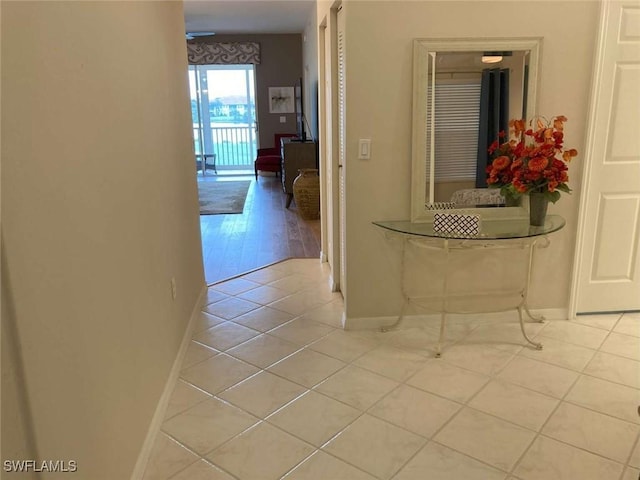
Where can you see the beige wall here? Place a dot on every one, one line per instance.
(280, 66)
(17, 440)
(100, 211)
(379, 103)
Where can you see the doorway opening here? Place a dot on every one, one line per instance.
(223, 111)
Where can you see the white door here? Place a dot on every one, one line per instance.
(607, 273)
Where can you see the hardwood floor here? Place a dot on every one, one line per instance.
(266, 232)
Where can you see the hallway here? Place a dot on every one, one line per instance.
(272, 387)
(266, 232)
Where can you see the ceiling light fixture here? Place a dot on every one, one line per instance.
(491, 58)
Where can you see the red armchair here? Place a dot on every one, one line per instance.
(270, 159)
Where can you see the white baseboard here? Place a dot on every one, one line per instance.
(333, 286)
(552, 313)
(367, 323)
(161, 409)
(375, 323)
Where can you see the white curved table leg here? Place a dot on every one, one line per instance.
(524, 333)
(395, 326)
(532, 245)
(443, 320)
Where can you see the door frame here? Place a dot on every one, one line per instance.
(591, 138)
(328, 133)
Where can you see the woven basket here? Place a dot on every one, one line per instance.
(306, 193)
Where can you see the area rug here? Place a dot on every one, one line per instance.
(221, 197)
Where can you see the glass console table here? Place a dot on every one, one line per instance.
(495, 235)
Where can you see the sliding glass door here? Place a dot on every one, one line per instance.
(223, 110)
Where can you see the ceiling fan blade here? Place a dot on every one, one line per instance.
(192, 35)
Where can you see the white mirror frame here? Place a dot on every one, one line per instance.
(423, 50)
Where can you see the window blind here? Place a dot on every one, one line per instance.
(457, 112)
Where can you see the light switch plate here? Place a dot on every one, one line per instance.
(364, 148)
(283, 119)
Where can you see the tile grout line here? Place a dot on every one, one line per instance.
(560, 403)
(492, 377)
(261, 420)
(464, 405)
(635, 445)
(362, 413)
(427, 439)
(538, 433)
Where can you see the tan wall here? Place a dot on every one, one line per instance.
(280, 66)
(17, 439)
(100, 211)
(379, 104)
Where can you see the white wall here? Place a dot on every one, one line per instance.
(99, 212)
(379, 105)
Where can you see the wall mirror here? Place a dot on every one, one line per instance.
(464, 92)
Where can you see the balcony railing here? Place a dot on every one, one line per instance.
(235, 147)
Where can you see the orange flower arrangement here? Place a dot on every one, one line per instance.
(531, 160)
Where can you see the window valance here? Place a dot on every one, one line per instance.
(223, 53)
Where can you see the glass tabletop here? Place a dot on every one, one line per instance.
(491, 229)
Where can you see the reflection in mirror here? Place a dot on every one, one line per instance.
(465, 93)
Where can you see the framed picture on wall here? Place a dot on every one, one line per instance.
(281, 100)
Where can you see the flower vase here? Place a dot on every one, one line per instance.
(306, 192)
(538, 204)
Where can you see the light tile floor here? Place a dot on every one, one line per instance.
(272, 387)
